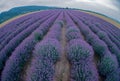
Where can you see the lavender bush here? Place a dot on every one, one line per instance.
(41, 70)
(98, 45)
(112, 47)
(49, 48)
(80, 56)
(46, 54)
(16, 62)
(79, 50)
(83, 71)
(108, 64)
(73, 33)
(113, 76)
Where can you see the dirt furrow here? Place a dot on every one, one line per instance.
(62, 67)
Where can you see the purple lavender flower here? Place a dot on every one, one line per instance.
(41, 70)
(108, 64)
(78, 50)
(48, 48)
(22, 53)
(113, 76)
(73, 33)
(83, 71)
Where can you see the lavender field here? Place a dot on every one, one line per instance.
(59, 45)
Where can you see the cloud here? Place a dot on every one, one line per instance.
(7, 4)
(107, 7)
(107, 3)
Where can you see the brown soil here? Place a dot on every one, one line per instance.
(26, 69)
(96, 59)
(62, 67)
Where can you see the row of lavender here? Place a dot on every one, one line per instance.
(80, 54)
(108, 52)
(46, 54)
(25, 27)
(18, 24)
(19, 49)
(15, 41)
(112, 31)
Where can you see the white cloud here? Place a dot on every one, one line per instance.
(107, 7)
(7, 4)
(84, 0)
(107, 3)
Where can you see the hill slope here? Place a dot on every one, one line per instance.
(21, 10)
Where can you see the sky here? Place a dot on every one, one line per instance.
(107, 7)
